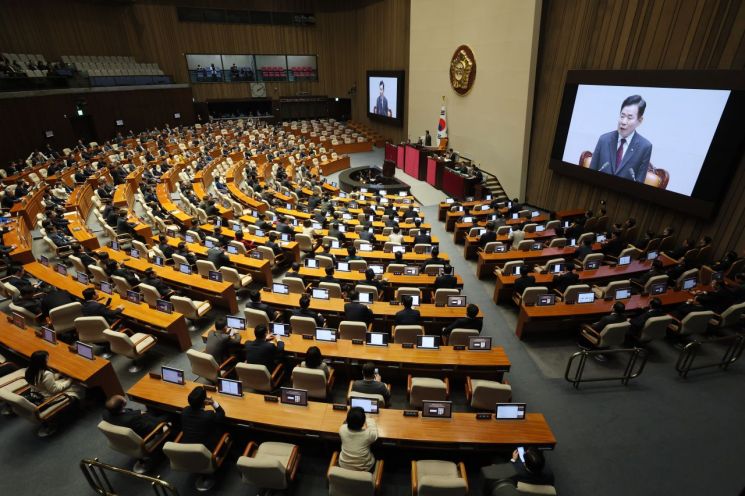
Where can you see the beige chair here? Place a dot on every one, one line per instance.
(377, 397)
(77, 264)
(204, 365)
(346, 482)
(295, 285)
(99, 275)
(255, 317)
(482, 394)
(179, 260)
(372, 290)
(654, 328)
(692, 324)
(431, 269)
(592, 257)
(257, 378)
(269, 465)
(324, 261)
(303, 325)
(441, 295)
(238, 280)
(63, 317)
(557, 243)
(121, 285)
(204, 267)
(525, 489)
(29, 316)
(305, 242)
(584, 236)
(90, 331)
(240, 247)
(150, 294)
(530, 295)
(333, 288)
(546, 268)
(133, 347)
(407, 291)
(525, 245)
(57, 251)
(426, 388)
(195, 235)
(570, 294)
(197, 459)
(438, 478)
(191, 309)
(407, 333)
(492, 246)
(610, 335)
(44, 415)
(352, 330)
(508, 268)
(314, 381)
(125, 440)
(731, 318)
(652, 281)
(124, 240)
(610, 290)
(358, 265)
(460, 337)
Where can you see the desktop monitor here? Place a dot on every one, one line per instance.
(237, 227)
(279, 288)
(236, 322)
(623, 293)
(83, 278)
(208, 243)
(61, 269)
(456, 301)
(510, 411)
(376, 268)
(369, 405)
(437, 409)
(625, 260)
(320, 293)
(600, 238)
(189, 238)
(515, 216)
(376, 339)
(184, 269)
(588, 297)
(556, 268)
(592, 265)
(215, 276)
(428, 342)
(115, 245)
(414, 300)
(44, 261)
(485, 207)
(516, 270)
(657, 288)
(134, 253)
(335, 243)
(323, 334)
(133, 296)
(689, 283)
(290, 396)
(540, 228)
(479, 343)
(164, 306)
(467, 219)
(172, 375)
(411, 270)
(84, 350)
(573, 242)
(158, 261)
(535, 213)
(500, 249)
(342, 227)
(536, 246)
(106, 288)
(364, 297)
(229, 387)
(259, 233)
(652, 255)
(342, 266)
(48, 335)
(345, 217)
(218, 223)
(311, 263)
(546, 300)
(282, 330)
(232, 250)
(285, 237)
(366, 247)
(256, 254)
(398, 249)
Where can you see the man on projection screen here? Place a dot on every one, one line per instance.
(624, 152)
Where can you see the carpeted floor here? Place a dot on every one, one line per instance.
(661, 435)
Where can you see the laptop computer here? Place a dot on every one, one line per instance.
(376, 268)
(510, 411)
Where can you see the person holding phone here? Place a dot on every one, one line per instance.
(527, 465)
(198, 425)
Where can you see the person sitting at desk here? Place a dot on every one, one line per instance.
(123, 226)
(614, 245)
(470, 321)
(658, 269)
(272, 243)
(262, 351)
(582, 251)
(407, 315)
(329, 277)
(28, 300)
(326, 251)
(295, 271)
(254, 297)
(308, 228)
(516, 237)
(218, 257)
(53, 299)
(371, 383)
(92, 308)
(531, 471)
(221, 341)
(247, 243)
(357, 435)
(489, 236)
(411, 213)
(334, 232)
(355, 311)
(113, 269)
(562, 281)
(422, 237)
(19, 279)
(396, 236)
(117, 413)
(525, 280)
(678, 253)
(165, 248)
(211, 209)
(48, 383)
(314, 360)
(371, 280)
(199, 426)
(616, 316)
(352, 254)
(434, 258)
(637, 323)
(283, 226)
(304, 311)
(57, 238)
(447, 280)
(85, 256)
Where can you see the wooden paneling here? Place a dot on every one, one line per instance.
(633, 34)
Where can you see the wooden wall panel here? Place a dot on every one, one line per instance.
(633, 34)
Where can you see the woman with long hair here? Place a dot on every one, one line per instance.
(46, 382)
(314, 360)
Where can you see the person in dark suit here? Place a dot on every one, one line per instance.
(117, 413)
(151, 279)
(262, 351)
(304, 311)
(533, 469)
(370, 280)
(355, 311)
(658, 269)
(692, 305)
(254, 302)
(434, 258)
(470, 321)
(562, 281)
(366, 235)
(427, 138)
(53, 299)
(85, 257)
(624, 152)
(199, 426)
(637, 323)
(381, 103)
(329, 277)
(352, 254)
(371, 383)
(18, 278)
(447, 280)
(92, 308)
(525, 280)
(582, 251)
(295, 271)
(489, 236)
(422, 237)
(217, 256)
(614, 317)
(411, 213)
(272, 243)
(407, 316)
(28, 301)
(220, 343)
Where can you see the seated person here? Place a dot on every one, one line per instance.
(221, 341)
(29, 300)
(582, 251)
(567, 278)
(247, 244)
(295, 271)
(334, 232)
(407, 316)
(355, 311)
(352, 254)
(470, 321)
(434, 258)
(85, 257)
(262, 351)
(218, 257)
(254, 297)
(272, 243)
(637, 323)
(326, 251)
(411, 213)
(396, 236)
(371, 280)
(658, 269)
(489, 236)
(151, 278)
(357, 435)
(92, 308)
(199, 426)
(422, 237)
(447, 280)
(19, 279)
(59, 239)
(304, 311)
(329, 277)
(516, 237)
(525, 280)
(371, 383)
(53, 299)
(531, 471)
(616, 316)
(678, 253)
(614, 245)
(48, 383)
(314, 360)
(117, 413)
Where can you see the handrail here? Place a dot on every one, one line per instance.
(635, 355)
(689, 353)
(95, 473)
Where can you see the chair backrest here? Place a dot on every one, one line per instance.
(349, 329)
(358, 265)
(407, 333)
(408, 291)
(508, 267)
(491, 246)
(150, 294)
(229, 274)
(343, 482)
(530, 295)
(525, 489)
(267, 254)
(203, 364)
(592, 257)
(312, 380)
(265, 472)
(655, 328)
(20, 406)
(240, 247)
(654, 280)
(558, 243)
(525, 245)
(372, 290)
(204, 267)
(254, 377)
(333, 287)
(426, 388)
(395, 267)
(613, 286)
(303, 325)
(122, 439)
(63, 317)
(732, 315)
(685, 275)
(631, 251)
(305, 242)
(193, 458)
(584, 236)
(121, 285)
(294, 284)
(99, 275)
(120, 343)
(459, 337)
(179, 259)
(90, 329)
(441, 295)
(77, 264)
(184, 306)
(255, 317)
(613, 334)
(486, 394)
(431, 269)
(696, 323)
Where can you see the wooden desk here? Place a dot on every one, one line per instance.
(20, 236)
(92, 373)
(472, 242)
(291, 248)
(29, 206)
(163, 194)
(381, 256)
(79, 230)
(463, 431)
(219, 293)
(163, 325)
(487, 262)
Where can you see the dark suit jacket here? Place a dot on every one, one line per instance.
(638, 322)
(465, 323)
(202, 426)
(635, 160)
(523, 282)
(357, 312)
(270, 312)
(302, 312)
(95, 309)
(407, 316)
(218, 257)
(447, 281)
(563, 281)
(608, 319)
(263, 352)
(487, 237)
(422, 239)
(141, 422)
(581, 252)
(53, 299)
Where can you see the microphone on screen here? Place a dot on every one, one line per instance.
(604, 166)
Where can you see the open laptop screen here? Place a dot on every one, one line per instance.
(236, 322)
(369, 405)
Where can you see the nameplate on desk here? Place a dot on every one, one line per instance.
(270, 399)
(357, 341)
(155, 375)
(483, 416)
(340, 406)
(210, 388)
(407, 345)
(411, 413)
(307, 336)
(459, 347)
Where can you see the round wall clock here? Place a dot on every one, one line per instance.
(462, 70)
(258, 90)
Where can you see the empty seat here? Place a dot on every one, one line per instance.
(426, 388)
(438, 478)
(482, 394)
(269, 465)
(197, 459)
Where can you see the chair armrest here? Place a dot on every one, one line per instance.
(251, 447)
(54, 399)
(222, 449)
(333, 463)
(636, 283)
(447, 387)
(278, 373)
(158, 435)
(379, 475)
(225, 369)
(463, 474)
(414, 478)
(293, 463)
(408, 385)
(140, 340)
(330, 380)
(116, 324)
(469, 388)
